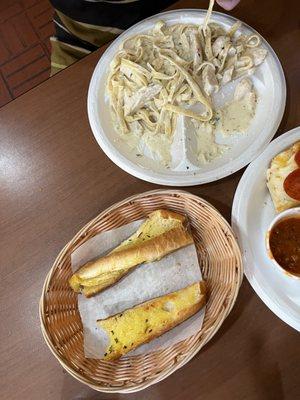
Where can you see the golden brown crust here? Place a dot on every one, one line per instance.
(203, 288)
(165, 214)
(192, 305)
(99, 274)
(147, 251)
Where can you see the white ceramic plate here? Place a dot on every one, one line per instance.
(269, 83)
(252, 213)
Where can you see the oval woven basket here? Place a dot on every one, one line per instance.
(221, 265)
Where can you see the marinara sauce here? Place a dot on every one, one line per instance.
(285, 244)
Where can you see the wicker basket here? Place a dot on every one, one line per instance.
(221, 266)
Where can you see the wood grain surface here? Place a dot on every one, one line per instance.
(55, 178)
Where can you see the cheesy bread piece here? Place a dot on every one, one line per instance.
(281, 166)
(147, 321)
(163, 232)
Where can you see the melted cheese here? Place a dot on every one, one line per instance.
(281, 166)
(207, 148)
(236, 116)
(159, 147)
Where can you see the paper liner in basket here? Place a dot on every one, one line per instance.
(173, 272)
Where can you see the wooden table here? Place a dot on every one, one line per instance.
(55, 178)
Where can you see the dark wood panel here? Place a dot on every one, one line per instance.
(25, 29)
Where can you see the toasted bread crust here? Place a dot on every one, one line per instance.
(95, 276)
(165, 214)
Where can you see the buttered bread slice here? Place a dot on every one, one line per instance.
(147, 321)
(163, 232)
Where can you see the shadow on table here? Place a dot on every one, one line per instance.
(265, 372)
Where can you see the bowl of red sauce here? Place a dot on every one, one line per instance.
(283, 242)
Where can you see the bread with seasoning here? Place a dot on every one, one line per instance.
(162, 233)
(149, 320)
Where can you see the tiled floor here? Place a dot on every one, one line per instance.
(25, 29)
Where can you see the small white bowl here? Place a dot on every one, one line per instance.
(283, 215)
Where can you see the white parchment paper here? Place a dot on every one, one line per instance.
(171, 273)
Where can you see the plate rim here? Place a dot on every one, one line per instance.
(285, 139)
(149, 175)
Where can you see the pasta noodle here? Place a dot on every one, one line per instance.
(159, 75)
